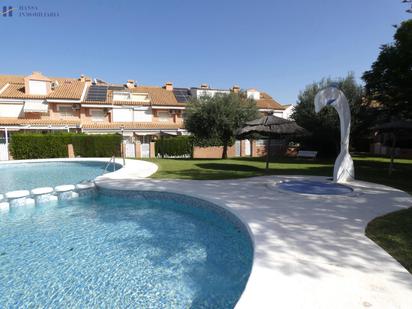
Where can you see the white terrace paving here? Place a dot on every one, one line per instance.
(310, 251)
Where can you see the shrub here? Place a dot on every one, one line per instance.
(178, 146)
(38, 146)
(104, 145)
(54, 145)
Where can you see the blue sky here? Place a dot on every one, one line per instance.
(275, 46)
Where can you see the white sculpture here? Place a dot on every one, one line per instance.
(343, 170)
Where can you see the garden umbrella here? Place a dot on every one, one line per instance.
(397, 128)
(271, 126)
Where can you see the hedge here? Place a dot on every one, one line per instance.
(54, 145)
(96, 145)
(179, 146)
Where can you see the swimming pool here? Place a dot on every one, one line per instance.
(123, 249)
(30, 175)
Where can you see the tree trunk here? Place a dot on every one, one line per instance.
(224, 154)
(392, 153)
(268, 154)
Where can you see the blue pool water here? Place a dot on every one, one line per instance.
(27, 176)
(315, 187)
(133, 250)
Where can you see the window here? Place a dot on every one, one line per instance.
(97, 114)
(65, 110)
(163, 116)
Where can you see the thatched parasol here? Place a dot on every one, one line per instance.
(271, 126)
(397, 128)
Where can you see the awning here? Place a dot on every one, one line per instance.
(174, 133)
(35, 107)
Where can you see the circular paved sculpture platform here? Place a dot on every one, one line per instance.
(315, 187)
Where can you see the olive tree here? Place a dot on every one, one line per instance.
(325, 125)
(213, 120)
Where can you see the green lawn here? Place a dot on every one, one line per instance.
(374, 169)
(393, 232)
(234, 168)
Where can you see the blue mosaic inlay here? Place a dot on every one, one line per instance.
(27, 176)
(315, 187)
(123, 249)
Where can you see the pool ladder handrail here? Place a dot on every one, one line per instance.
(108, 163)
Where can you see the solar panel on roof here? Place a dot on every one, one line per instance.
(182, 95)
(96, 93)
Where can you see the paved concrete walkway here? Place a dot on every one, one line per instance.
(310, 251)
(132, 169)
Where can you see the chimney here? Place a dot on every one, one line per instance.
(204, 86)
(130, 84)
(236, 89)
(82, 78)
(169, 86)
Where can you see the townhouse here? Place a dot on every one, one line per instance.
(140, 113)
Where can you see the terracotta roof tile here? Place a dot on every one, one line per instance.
(38, 76)
(132, 125)
(67, 89)
(38, 122)
(158, 95)
(71, 88)
(134, 103)
(267, 102)
(109, 100)
(12, 79)
(2, 86)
